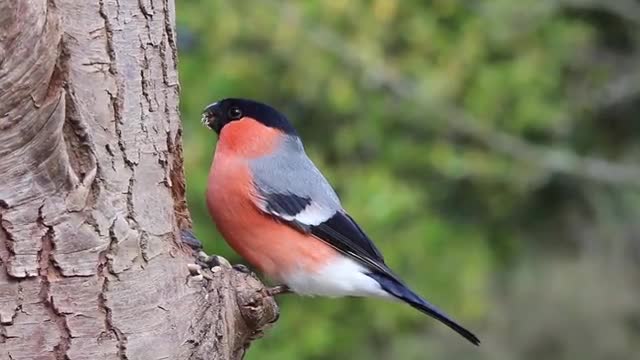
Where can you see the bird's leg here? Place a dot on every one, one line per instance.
(278, 290)
(187, 237)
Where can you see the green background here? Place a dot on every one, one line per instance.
(490, 149)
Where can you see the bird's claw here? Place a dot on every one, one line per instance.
(211, 261)
(277, 290)
(204, 261)
(242, 268)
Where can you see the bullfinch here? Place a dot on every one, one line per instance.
(274, 207)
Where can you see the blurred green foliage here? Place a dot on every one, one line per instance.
(452, 131)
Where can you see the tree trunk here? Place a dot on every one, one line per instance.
(92, 193)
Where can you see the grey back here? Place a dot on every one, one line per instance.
(290, 171)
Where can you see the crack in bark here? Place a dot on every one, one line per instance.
(131, 220)
(176, 178)
(62, 348)
(178, 185)
(19, 301)
(145, 88)
(104, 271)
(3, 334)
(49, 271)
(147, 13)
(144, 82)
(104, 265)
(144, 246)
(6, 241)
(18, 306)
(168, 29)
(108, 318)
(163, 56)
(117, 105)
(203, 332)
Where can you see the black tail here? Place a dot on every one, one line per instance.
(402, 292)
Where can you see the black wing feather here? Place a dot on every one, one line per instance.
(340, 230)
(286, 204)
(344, 234)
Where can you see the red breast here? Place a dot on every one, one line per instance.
(248, 138)
(271, 246)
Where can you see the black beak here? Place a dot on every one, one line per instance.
(211, 118)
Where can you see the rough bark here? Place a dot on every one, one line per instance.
(92, 193)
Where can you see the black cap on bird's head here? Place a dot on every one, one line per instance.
(217, 115)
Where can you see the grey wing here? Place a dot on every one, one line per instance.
(289, 187)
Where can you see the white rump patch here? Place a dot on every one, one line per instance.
(341, 277)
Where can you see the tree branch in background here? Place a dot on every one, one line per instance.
(379, 74)
(629, 10)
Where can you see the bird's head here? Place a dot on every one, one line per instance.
(219, 114)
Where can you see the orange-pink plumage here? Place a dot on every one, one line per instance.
(271, 246)
(274, 207)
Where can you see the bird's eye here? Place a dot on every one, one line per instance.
(235, 113)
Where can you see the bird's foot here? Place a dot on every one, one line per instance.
(278, 290)
(215, 263)
(202, 259)
(211, 261)
(241, 268)
(205, 266)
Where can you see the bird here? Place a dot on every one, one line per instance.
(274, 207)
